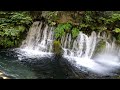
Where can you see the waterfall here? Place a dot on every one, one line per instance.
(39, 41)
(39, 38)
(83, 46)
(80, 52)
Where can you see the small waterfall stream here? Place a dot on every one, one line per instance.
(82, 46)
(38, 42)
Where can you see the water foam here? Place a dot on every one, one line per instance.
(105, 62)
(38, 42)
(79, 52)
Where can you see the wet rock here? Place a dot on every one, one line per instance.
(36, 15)
(57, 49)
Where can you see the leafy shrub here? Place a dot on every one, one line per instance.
(12, 25)
(61, 29)
(117, 30)
(75, 32)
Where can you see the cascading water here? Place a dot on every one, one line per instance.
(82, 46)
(82, 50)
(38, 42)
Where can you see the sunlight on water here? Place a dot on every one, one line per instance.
(101, 65)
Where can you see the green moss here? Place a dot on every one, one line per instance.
(57, 48)
(101, 45)
(75, 32)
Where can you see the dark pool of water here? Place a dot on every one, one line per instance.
(34, 68)
(53, 67)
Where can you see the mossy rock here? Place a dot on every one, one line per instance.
(57, 49)
(116, 77)
(35, 15)
(100, 46)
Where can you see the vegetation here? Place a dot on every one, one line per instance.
(62, 29)
(101, 45)
(85, 21)
(75, 32)
(12, 26)
(57, 48)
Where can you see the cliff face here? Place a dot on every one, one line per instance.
(36, 15)
(58, 17)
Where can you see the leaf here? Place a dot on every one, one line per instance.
(117, 30)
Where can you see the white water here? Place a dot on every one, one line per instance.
(38, 42)
(79, 52)
(83, 48)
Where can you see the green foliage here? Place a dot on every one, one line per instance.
(11, 36)
(61, 29)
(83, 25)
(86, 21)
(52, 16)
(88, 17)
(118, 37)
(67, 26)
(17, 18)
(21, 18)
(13, 31)
(114, 17)
(117, 30)
(75, 32)
(6, 42)
(12, 25)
